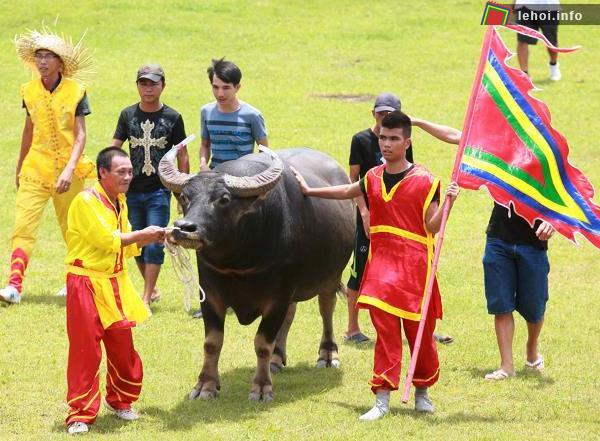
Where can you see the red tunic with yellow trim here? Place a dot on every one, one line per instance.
(94, 251)
(401, 251)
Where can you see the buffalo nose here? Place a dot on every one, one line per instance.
(185, 225)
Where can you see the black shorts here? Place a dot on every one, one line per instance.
(548, 27)
(361, 253)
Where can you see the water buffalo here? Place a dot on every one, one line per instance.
(261, 247)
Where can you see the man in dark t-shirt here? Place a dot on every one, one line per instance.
(151, 128)
(402, 221)
(515, 267)
(364, 155)
(539, 15)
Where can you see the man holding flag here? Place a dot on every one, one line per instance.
(509, 146)
(516, 268)
(404, 214)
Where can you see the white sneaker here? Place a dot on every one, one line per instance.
(62, 292)
(422, 401)
(381, 408)
(554, 72)
(124, 414)
(373, 414)
(77, 427)
(10, 295)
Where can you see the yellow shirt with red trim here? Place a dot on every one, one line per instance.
(53, 118)
(401, 248)
(94, 250)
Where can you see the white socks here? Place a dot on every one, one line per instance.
(382, 404)
(381, 407)
(422, 401)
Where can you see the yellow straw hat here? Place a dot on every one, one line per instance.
(75, 58)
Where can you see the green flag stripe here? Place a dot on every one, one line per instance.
(547, 188)
(517, 172)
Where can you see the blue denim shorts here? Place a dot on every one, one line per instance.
(147, 209)
(516, 279)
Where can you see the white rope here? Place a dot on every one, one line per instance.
(184, 270)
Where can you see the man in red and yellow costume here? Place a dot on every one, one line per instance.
(51, 164)
(405, 213)
(102, 304)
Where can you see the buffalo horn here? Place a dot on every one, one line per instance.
(172, 178)
(249, 186)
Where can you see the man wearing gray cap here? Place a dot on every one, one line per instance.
(151, 128)
(364, 155)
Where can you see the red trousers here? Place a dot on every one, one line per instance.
(124, 367)
(388, 350)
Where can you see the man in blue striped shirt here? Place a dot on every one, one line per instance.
(229, 127)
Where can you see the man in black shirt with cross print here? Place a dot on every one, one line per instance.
(152, 128)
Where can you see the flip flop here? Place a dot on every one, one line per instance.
(500, 374)
(359, 337)
(537, 365)
(155, 297)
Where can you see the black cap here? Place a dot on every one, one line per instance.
(152, 72)
(386, 101)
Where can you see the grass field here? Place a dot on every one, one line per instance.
(306, 65)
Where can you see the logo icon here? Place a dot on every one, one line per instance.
(495, 14)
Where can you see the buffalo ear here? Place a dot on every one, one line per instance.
(260, 198)
(254, 206)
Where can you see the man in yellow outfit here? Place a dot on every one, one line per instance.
(102, 304)
(51, 163)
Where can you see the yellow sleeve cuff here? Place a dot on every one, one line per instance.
(116, 242)
(132, 250)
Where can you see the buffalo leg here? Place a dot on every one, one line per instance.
(213, 313)
(279, 357)
(264, 342)
(328, 350)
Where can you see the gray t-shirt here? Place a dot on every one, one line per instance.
(232, 135)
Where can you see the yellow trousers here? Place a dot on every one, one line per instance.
(32, 198)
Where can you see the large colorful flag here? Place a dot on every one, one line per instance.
(509, 146)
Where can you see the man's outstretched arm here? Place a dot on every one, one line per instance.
(439, 131)
(348, 191)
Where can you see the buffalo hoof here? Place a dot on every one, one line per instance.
(334, 363)
(207, 395)
(265, 397)
(202, 394)
(276, 368)
(195, 393)
(261, 393)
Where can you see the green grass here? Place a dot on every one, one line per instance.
(292, 54)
